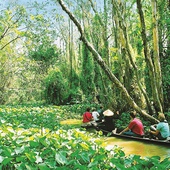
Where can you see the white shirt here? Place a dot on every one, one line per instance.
(95, 115)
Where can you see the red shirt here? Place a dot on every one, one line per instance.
(136, 126)
(87, 117)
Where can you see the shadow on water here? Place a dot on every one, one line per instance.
(130, 147)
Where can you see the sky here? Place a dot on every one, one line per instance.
(48, 8)
(27, 3)
(4, 3)
(21, 2)
(51, 7)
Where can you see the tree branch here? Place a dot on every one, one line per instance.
(9, 42)
(103, 65)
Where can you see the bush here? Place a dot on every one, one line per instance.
(56, 88)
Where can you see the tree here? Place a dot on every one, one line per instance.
(164, 46)
(100, 61)
(87, 75)
(10, 34)
(55, 88)
(127, 56)
(156, 57)
(20, 34)
(149, 62)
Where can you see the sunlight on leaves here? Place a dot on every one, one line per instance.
(60, 158)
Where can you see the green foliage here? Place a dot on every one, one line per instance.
(38, 29)
(166, 80)
(17, 84)
(87, 74)
(125, 119)
(167, 115)
(78, 109)
(164, 45)
(9, 35)
(45, 54)
(55, 88)
(75, 92)
(24, 146)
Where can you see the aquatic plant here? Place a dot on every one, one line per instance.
(33, 138)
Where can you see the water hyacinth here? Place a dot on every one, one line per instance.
(33, 138)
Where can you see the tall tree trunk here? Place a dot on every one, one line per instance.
(123, 61)
(156, 58)
(149, 60)
(104, 32)
(105, 68)
(105, 35)
(104, 48)
(126, 46)
(70, 52)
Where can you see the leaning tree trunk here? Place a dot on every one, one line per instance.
(105, 68)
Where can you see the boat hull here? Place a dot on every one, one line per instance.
(142, 139)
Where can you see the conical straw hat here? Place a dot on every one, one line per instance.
(108, 113)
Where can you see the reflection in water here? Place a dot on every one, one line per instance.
(138, 148)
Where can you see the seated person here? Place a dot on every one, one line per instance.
(108, 124)
(162, 128)
(101, 116)
(87, 116)
(135, 127)
(95, 115)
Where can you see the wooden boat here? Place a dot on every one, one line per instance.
(89, 125)
(142, 139)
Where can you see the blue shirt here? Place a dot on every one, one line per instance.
(163, 128)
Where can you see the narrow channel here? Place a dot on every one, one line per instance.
(129, 147)
(138, 148)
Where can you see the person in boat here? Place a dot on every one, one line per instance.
(135, 127)
(95, 115)
(101, 116)
(161, 130)
(108, 125)
(87, 118)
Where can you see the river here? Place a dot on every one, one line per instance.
(130, 147)
(138, 148)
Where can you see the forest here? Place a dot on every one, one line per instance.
(59, 56)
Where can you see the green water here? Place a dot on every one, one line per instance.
(138, 148)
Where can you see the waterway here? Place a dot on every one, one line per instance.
(138, 148)
(130, 147)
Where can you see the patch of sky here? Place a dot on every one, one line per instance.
(32, 6)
